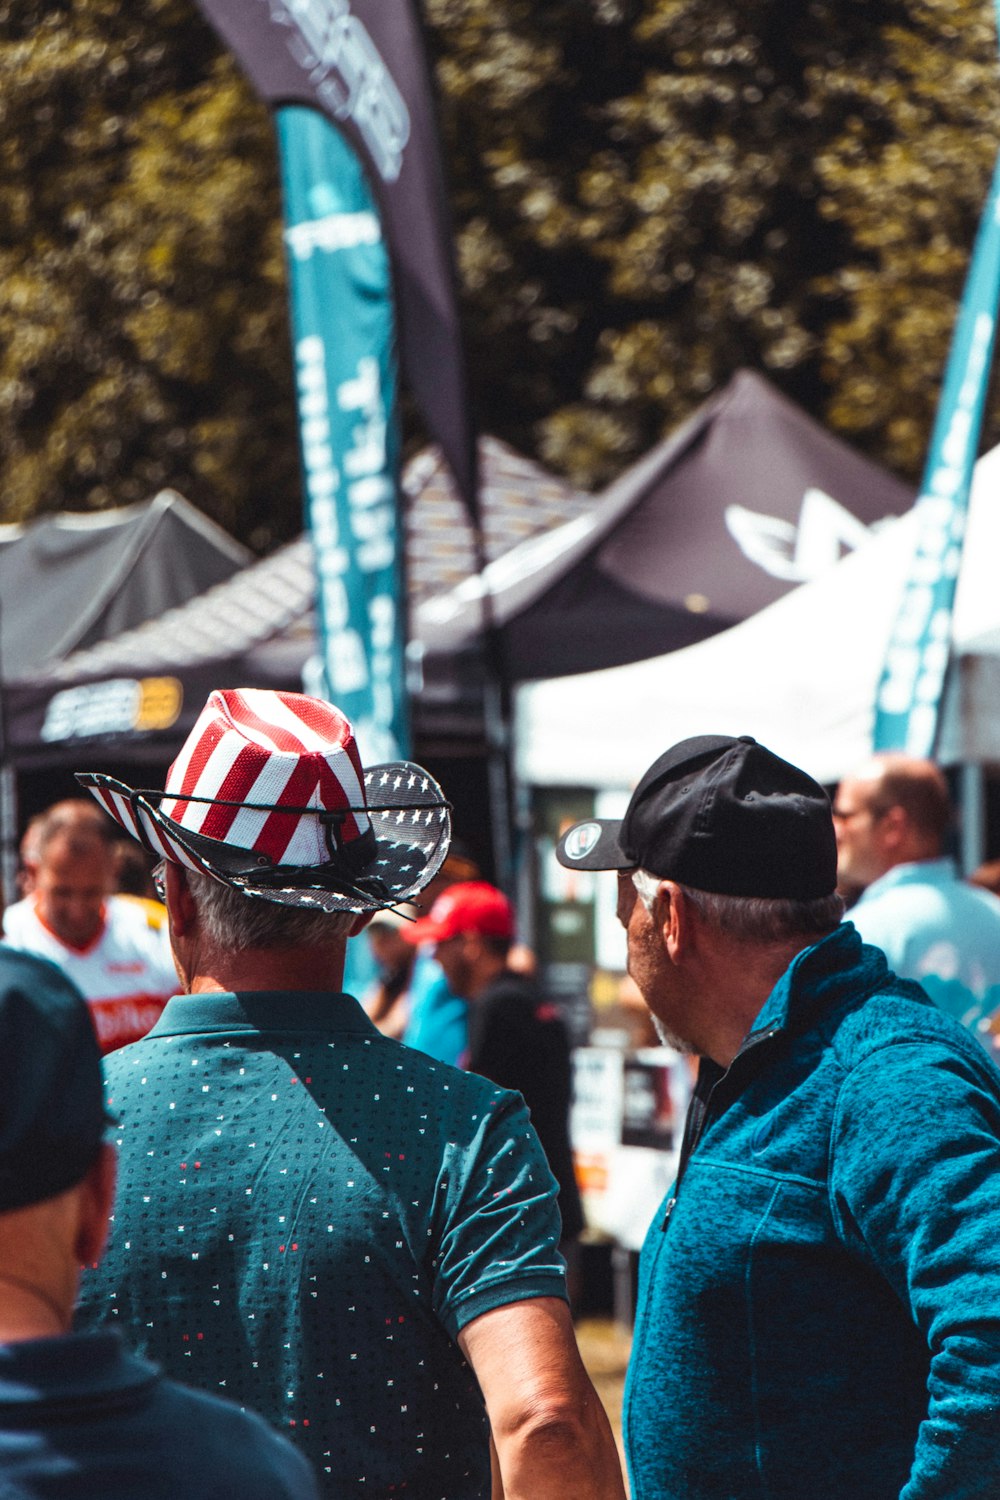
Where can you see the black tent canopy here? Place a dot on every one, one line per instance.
(69, 580)
(747, 498)
(705, 530)
(136, 692)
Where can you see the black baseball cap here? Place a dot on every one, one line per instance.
(52, 1116)
(722, 815)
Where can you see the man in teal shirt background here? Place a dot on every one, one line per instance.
(892, 817)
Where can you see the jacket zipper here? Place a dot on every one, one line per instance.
(694, 1126)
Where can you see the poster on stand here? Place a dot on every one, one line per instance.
(626, 1125)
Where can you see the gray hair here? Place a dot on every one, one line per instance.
(232, 919)
(753, 919)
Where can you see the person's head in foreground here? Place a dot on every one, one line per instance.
(56, 1172)
(727, 866)
(275, 837)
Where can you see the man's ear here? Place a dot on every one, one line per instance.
(672, 915)
(892, 829)
(97, 1198)
(181, 910)
(361, 922)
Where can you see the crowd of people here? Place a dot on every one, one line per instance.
(342, 1266)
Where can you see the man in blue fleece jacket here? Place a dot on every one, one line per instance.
(819, 1305)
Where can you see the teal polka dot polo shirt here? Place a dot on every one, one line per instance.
(307, 1214)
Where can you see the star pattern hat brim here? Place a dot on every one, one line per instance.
(410, 821)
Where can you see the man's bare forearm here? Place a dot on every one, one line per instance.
(557, 1454)
(551, 1434)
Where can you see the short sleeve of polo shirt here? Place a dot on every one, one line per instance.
(496, 1221)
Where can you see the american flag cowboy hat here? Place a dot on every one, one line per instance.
(268, 795)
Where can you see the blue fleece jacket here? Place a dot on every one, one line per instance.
(819, 1311)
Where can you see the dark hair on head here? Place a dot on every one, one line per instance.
(133, 870)
(459, 863)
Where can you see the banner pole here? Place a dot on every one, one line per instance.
(8, 798)
(910, 691)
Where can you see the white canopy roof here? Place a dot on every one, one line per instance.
(800, 675)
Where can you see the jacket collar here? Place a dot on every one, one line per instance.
(72, 1369)
(826, 975)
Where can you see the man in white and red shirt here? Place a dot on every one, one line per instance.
(112, 947)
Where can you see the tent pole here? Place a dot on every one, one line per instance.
(972, 830)
(8, 800)
(8, 835)
(497, 705)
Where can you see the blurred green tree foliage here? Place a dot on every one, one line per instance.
(143, 326)
(647, 195)
(652, 193)
(906, 174)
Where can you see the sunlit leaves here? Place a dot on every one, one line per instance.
(647, 194)
(143, 328)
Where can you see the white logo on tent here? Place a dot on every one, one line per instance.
(508, 569)
(797, 553)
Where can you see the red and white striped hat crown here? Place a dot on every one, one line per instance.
(269, 750)
(269, 795)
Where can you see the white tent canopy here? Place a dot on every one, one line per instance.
(800, 675)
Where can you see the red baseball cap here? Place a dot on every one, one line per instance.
(472, 906)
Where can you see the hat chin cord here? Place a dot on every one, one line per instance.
(313, 877)
(341, 875)
(345, 873)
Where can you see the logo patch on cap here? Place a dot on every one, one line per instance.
(580, 840)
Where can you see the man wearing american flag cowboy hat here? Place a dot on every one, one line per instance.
(354, 1240)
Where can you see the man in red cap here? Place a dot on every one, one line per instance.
(517, 1038)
